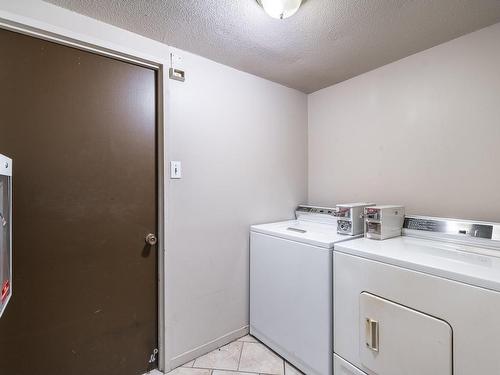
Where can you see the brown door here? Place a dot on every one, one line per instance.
(81, 129)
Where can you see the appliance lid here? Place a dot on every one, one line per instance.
(471, 265)
(305, 231)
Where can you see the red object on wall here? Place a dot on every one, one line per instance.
(5, 290)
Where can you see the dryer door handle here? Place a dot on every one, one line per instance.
(372, 334)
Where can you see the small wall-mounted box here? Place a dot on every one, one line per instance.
(176, 71)
(5, 232)
(382, 222)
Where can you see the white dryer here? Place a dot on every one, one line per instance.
(427, 303)
(291, 287)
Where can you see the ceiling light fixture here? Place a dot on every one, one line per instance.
(280, 8)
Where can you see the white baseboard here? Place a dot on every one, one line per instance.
(207, 348)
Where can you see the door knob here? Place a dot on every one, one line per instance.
(151, 239)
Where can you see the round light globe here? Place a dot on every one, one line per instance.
(280, 8)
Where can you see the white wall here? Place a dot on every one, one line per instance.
(242, 141)
(423, 132)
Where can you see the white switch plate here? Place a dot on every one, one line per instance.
(175, 169)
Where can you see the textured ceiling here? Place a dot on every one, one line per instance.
(326, 42)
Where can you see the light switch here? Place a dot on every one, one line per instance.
(175, 169)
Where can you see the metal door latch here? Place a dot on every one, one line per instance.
(152, 358)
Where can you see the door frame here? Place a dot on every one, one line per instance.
(158, 62)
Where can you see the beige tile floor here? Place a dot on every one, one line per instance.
(245, 356)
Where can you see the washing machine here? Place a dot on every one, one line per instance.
(426, 303)
(291, 287)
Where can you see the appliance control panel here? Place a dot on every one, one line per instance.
(302, 209)
(451, 227)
